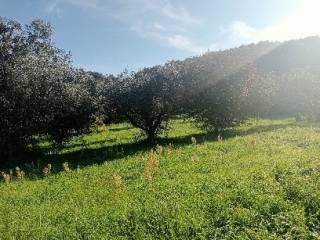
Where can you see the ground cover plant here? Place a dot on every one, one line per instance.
(257, 181)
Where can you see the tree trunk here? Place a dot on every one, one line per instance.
(151, 136)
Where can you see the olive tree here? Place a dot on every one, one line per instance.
(40, 92)
(214, 100)
(147, 98)
(107, 93)
(297, 94)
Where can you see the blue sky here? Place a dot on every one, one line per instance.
(111, 35)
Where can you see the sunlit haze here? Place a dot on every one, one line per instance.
(109, 36)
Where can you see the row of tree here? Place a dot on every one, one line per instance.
(42, 94)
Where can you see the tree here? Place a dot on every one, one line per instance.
(147, 98)
(213, 98)
(107, 98)
(40, 92)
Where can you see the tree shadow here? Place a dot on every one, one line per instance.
(120, 129)
(94, 156)
(84, 144)
(88, 156)
(257, 129)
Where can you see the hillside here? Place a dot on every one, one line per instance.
(264, 57)
(261, 181)
(291, 55)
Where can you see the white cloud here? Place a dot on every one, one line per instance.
(237, 33)
(83, 3)
(183, 43)
(56, 6)
(301, 23)
(179, 14)
(163, 21)
(163, 35)
(167, 22)
(159, 27)
(170, 23)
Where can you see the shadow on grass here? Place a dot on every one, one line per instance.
(257, 129)
(78, 145)
(120, 129)
(88, 156)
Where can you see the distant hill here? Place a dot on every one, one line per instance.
(263, 57)
(280, 78)
(289, 55)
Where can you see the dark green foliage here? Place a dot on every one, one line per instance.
(216, 85)
(40, 93)
(220, 107)
(261, 80)
(147, 98)
(108, 92)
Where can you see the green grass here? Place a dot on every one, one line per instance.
(260, 182)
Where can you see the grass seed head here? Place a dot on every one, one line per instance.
(19, 173)
(6, 177)
(66, 167)
(47, 170)
(194, 158)
(117, 182)
(159, 149)
(151, 166)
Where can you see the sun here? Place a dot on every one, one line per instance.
(306, 19)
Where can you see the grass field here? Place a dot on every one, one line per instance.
(261, 181)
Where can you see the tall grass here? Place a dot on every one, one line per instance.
(258, 181)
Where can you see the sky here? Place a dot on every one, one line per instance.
(109, 36)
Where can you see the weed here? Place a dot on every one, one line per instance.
(151, 166)
(66, 167)
(117, 182)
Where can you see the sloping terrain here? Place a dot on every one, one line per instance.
(260, 181)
